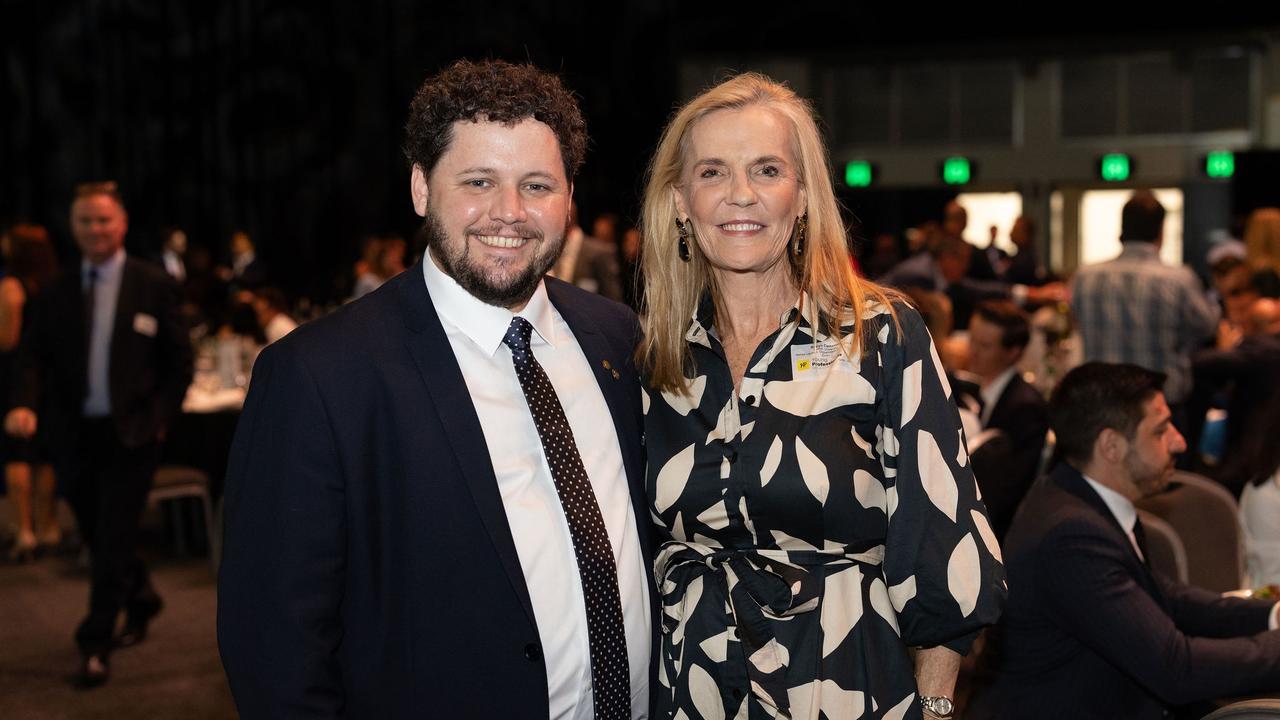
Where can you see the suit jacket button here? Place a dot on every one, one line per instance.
(533, 652)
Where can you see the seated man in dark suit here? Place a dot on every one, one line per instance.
(1090, 630)
(998, 334)
(1249, 369)
(944, 268)
(1025, 268)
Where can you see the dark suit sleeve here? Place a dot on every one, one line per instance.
(983, 289)
(1026, 424)
(1219, 365)
(1197, 611)
(1092, 591)
(174, 346)
(283, 567)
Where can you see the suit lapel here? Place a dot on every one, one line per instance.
(432, 354)
(70, 300)
(1069, 479)
(1002, 403)
(126, 304)
(608, 367)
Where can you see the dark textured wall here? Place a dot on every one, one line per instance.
(284, 118)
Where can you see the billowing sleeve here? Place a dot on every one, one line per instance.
(942, 562)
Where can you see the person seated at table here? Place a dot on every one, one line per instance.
(272, 311)
(998, 335)
(1246, 371)
(944, 267)
(1090, 629)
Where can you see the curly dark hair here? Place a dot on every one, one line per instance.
(495, 91)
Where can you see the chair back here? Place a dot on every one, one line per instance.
(1261, 709)
(1207, 519)
(1167, 553)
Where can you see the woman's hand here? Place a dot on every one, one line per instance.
(20, 423)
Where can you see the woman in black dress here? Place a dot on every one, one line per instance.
(807, 470)
(29, 263)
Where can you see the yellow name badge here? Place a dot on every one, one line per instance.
(812, 362)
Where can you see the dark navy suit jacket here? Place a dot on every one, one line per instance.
(921, 271)
(1023, 416)
(368, 567)
(1090, 631)
(149, 367)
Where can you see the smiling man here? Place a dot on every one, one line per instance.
(1090, 629)
(431, 499)
(102, 370)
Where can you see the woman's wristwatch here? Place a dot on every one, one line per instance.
(939, 707)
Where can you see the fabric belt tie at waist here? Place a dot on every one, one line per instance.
(761, 586)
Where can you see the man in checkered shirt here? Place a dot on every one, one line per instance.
(1136, 309)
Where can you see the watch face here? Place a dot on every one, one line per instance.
(938, 705)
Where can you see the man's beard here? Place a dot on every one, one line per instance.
(457, 263)
(1148, 479)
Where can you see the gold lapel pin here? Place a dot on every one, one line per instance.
(616, 375)
(606, 365)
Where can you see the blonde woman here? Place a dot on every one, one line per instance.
(807, 470)
(1262, 245)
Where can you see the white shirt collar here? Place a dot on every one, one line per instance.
(483, 323)
(992, 391)
(1120, 506)
(108, 270)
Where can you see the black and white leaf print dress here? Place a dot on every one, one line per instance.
(814, 525)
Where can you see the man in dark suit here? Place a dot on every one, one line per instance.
(1249, 368)
(998, 335)
(944, 268)
(104, 366)
(435, 496)
(247, 271)
(1024, 268)
(1090, 630)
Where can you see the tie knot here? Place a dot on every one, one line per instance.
(517, 337)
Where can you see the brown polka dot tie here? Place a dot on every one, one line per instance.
(610, 674)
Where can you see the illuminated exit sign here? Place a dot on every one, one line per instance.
(1115, 167)
(858, 173)
(1220, 164)
(957, 171)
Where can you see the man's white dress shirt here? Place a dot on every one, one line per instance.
(1126, 514)
(992, 391)
(106, 290)
(538, 526)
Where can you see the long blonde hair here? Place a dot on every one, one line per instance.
(1262, 239)
(673, 288)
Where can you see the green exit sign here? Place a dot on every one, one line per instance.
(858, 173)
(1220, 164)
(956, 171)
(1115, 167)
